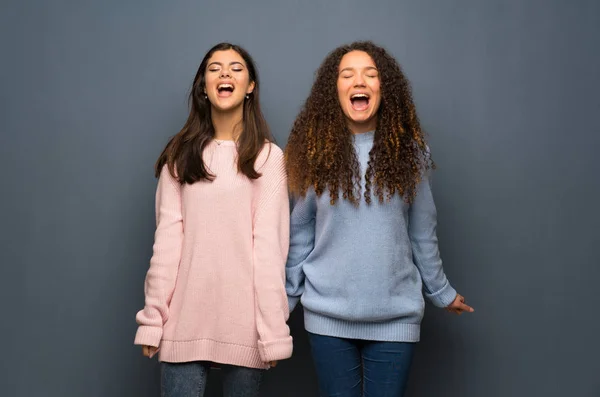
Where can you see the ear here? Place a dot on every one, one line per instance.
(250, 88)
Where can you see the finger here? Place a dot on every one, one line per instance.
(145, 351)
(461, 310)
(453, 308)
(466, 308)
(273, 364)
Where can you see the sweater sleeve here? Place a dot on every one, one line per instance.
(164, 264)
(302, 242)
(423, 237)
(271, 242)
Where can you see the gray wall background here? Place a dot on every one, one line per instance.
(507, 90)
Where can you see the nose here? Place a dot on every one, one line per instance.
(225, 73)
(359, 81)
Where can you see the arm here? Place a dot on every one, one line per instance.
(164, 264)
(271, 241)
(302, 242)
(423, 237)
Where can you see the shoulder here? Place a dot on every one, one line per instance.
(270, 158)
(166, 175)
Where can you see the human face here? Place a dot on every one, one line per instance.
(359, 92)
(227, 81)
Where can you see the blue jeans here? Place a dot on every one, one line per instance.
(360, 368)
(189, 380)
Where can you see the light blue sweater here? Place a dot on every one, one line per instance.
(361, 271)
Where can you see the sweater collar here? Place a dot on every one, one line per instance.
(365, 137)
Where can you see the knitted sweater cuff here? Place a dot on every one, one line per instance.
(275, 350)
(147, 335)
(444, 297)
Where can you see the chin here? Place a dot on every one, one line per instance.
(227, 107)
(361, 120)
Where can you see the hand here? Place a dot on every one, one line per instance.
(458, 306)
(272, 364)
(149, 351)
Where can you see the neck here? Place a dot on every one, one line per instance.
(361, 128)
(227, 125)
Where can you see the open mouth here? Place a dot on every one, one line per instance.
(225, 90)
(359, 101)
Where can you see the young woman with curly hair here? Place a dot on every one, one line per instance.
(363, 243)
(215, 290)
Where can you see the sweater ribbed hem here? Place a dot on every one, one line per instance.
(389, 331)
(210, 350)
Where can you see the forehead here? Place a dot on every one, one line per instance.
(356, 60)
(226, 57)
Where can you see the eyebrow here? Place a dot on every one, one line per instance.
(230, 64)
(348, 69)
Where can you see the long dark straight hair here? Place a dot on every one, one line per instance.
(183, 153)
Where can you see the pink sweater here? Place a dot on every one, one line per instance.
(215, 290)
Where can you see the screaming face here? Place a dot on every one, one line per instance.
(359, 92)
